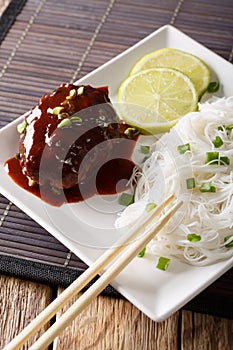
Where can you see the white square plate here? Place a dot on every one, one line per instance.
(87, 228)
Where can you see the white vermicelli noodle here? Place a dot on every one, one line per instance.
(208, 214)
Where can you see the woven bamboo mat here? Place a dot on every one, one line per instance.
(52, 41)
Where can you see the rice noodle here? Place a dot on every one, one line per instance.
(209, 214)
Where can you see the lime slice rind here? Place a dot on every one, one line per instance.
(194, 67)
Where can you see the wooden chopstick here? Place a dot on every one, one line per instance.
(88, 275)
(102, 282)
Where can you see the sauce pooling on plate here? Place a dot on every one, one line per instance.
(72, 146)
(110, 180)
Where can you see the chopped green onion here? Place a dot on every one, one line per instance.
(58, 110)
(142, 253)
(183, 148)
(217, 142)
(72, 94)
(229, 244)
(145, 149)
(212, 157)
(213, 86)
(80, 90)
(21, 127)
(224, 127)
(207, 187)
(63, 115)
(131, 132)
(163, 263)
(76, 119)
(225, 160)
(150, 206)
(193, 237)
(64, 122)
(221, 128)
(17, 155)
(190, 183)
(126, 199)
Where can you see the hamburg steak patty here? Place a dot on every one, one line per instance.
(63, 129)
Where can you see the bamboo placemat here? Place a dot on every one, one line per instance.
(52, 41)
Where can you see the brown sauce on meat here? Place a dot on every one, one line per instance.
(108, 181)
(74, 162)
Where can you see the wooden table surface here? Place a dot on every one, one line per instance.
(109, 323)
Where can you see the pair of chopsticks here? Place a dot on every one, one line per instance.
(135, 245)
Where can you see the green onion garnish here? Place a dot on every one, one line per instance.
(213, 86)
(190, 183)
(21, 127)
(58, 110)
(212, 157)
(221, 128)
(230, 244)
(163, 263)
(207, 187)
(142, 253)
(80, 90)
(65, 122)
(217, 142)
(193, 237)
(126, 199)
(150, 206)
(131, 132)
(224, 160)
(224, 127)
(76, 119)
(145, 149)
(183, 148)
(72, 94)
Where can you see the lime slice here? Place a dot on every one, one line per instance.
(187, 63)
(154, 99)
